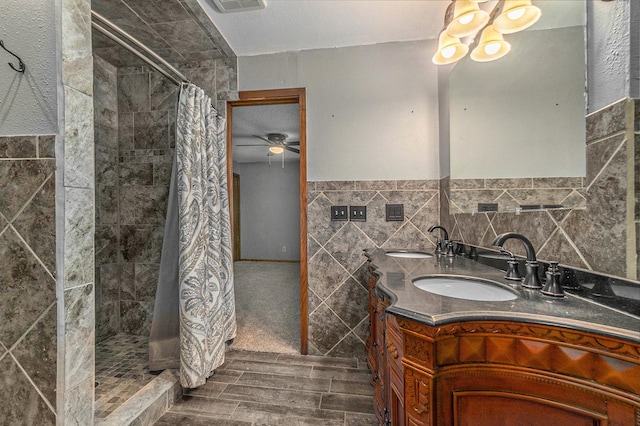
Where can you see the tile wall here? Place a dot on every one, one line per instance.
(27, 280)
(338, 310)
(107, 293)
(594, 238)
(510, 194)
(135, 135)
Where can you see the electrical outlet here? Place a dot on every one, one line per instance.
(487, 207)
(394, 212)
(358, 213)
(284, 249)
(339, 213)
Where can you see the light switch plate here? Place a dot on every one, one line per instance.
(358, 213)
(339, 213)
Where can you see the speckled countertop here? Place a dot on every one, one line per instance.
(397, 275)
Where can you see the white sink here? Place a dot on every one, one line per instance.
(466, 288)
(409, 254)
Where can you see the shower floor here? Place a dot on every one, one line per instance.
(122, 369)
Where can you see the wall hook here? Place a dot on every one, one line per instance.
(21, 65)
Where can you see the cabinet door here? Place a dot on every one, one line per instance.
(482, 395)
(395, 399)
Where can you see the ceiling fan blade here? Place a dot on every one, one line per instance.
(293, 143)
(264, 139)
(252, 145)
(288, 148)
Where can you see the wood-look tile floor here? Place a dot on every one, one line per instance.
(256, 388)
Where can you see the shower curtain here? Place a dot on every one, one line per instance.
(194, 313)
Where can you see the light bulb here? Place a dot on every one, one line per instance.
(492, 48)
(465, 19)
(516, 14)
(448, 52)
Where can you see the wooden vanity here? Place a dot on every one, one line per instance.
(477, 370)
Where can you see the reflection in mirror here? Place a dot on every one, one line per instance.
(517, 124)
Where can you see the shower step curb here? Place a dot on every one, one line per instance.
(147, 405)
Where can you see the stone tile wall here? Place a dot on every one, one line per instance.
(510, 194)
(595, 238)
(107, 292)
(338, 304)
(135, 135)
(75, 209)
(27, 280)
(146, 118)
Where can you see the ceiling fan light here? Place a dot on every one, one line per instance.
(450, 50)
(468, 18)
(516, 15)
(491, 46)
(276, 149)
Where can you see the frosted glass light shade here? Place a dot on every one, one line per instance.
(491, 46)
(468, 19)
(276, 149)
(450, 50)
(516, 15)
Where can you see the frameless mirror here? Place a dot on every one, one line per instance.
(517, 124)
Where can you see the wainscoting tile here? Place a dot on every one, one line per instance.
(606, 121)
(321, 227)
(19, 180)
(346, 246)
(20, 401)
(36, 353)
(350, 302)
(36, 224)
(351, 346)
(537, 234)
(27, 289)
(325, 328)
(18, 147)
(325, 274)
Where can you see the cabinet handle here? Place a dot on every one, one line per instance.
(375, 344)
(376, 378)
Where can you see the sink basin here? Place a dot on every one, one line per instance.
(408, 254)
(468, 288)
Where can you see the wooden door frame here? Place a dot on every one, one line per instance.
(275, 97)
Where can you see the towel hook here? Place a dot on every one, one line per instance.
(21, 65)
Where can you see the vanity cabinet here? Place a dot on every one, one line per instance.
(498, 372)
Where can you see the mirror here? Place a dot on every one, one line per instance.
(517, 124)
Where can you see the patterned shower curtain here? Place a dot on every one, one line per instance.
(206, 296)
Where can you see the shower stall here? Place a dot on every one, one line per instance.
(136, 86)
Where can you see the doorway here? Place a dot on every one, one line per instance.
(277, 97)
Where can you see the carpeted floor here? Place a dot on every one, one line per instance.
(267, 306)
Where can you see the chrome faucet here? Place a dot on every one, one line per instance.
(531, 279)
(441, 246)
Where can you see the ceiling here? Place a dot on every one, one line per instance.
(291, 25)
(259, 120)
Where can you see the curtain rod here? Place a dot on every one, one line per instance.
(137, 43)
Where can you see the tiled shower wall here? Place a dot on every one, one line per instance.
(135, 136)
(596, 238)
(338, 310)
(107, 292)
(28, 322)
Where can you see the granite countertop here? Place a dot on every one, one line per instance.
(530, 306)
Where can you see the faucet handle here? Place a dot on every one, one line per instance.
(552, 287)
(512, 267)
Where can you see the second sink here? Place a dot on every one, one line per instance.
(469, 288)
(408, 254)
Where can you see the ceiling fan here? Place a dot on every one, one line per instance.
(277, 143)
